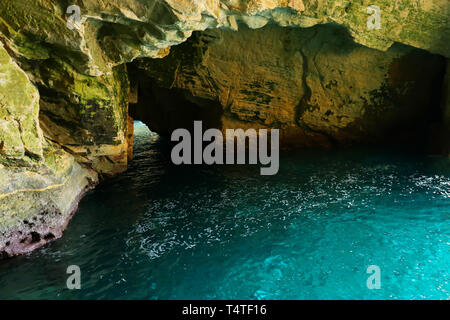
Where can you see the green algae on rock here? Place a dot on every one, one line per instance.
(20, 135)
(40, 184)
(85, 114)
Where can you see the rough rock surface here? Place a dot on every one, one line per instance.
(40, 184)
(87, 115)
(64, 92)
(117, 31)
(36, 203)
(20, 134)
(315, 84)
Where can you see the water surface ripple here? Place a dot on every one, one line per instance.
(165, 232)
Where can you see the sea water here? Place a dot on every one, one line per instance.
(162, 231)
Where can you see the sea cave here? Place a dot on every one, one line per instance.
(89, 103)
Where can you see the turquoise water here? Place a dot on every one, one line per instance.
(196, 232)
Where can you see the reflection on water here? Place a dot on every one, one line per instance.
(197, 232)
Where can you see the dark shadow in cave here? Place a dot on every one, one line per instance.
(164, 110)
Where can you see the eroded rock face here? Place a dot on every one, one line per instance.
(55, 143)
(40, 184)
(315, 84)
(20, 134)
(36, 203)
(118, 31)
(64, 92)
(86, 115)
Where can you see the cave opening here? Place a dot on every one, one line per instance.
(165, 109)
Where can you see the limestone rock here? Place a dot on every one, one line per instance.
(20, 134)
(445, 133)
(36, 203)
(117, 31)
(86, 115)
(315, 84)
(40, 184)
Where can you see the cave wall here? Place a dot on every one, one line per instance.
(87, 116)
(119, 31)
(20, 135)
(446, 111)
(40, 183)
(315, 84)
